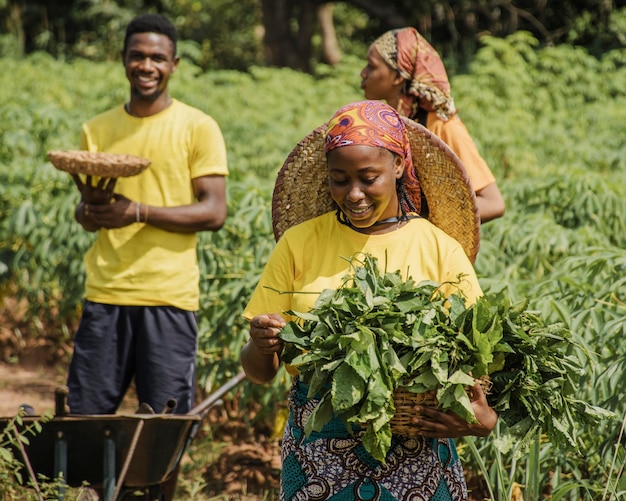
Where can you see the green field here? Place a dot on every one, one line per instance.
(549, 122)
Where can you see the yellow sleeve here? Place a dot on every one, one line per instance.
(208, 156)
(458, 264)
(270, 294)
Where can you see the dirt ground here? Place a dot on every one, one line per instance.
(41, 365)
(32, 384)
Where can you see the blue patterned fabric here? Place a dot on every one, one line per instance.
(333, 464)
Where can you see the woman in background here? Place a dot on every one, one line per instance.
(407, 72)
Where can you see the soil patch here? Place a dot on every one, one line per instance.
(32, 385)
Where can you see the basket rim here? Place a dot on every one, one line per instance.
(98, 163)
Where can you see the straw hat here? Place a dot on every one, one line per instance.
(301, 191)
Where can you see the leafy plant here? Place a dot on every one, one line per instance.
(546, 128)
(377, 333)
(13, 437)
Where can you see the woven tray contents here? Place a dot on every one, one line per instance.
(404, 401)
(97, 163)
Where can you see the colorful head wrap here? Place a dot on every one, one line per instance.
(408, 52)
(374, 123)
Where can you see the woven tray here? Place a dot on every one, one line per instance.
(97, 163)
(404, 400)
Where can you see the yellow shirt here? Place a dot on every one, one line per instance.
(454, 133)
(140, 264)
(309, 257)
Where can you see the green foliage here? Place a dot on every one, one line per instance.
(10, 466)
(225, 33)
(560, 245)
(536, 388)
(377, 333)
(16, 482)
(219, 34)
(13, 437)
(548, 122)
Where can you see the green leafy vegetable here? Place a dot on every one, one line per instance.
(378, 332)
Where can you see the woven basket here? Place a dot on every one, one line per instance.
(404, 401)
(97, 163)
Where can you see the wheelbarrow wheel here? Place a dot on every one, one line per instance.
(155, 493)
(152, 493)
(168, 488)
(160, 492)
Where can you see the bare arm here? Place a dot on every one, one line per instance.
(208, 214)
(260, 355)
(490, 203)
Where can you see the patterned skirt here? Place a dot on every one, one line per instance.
(333, 464)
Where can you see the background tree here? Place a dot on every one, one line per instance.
(288, 43)
(220, 34)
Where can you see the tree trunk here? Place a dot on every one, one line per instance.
(14, 24)
(331, 54)
(284, 46)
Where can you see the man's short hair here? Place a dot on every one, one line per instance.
(151, 23)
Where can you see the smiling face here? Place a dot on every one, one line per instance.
(149, 61)
(379, 80)
(362, 182)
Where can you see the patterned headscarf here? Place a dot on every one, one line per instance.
(408, 52)
(374, 123)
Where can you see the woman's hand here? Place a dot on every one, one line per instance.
(264, 330)
(260, 355)
(436, 424)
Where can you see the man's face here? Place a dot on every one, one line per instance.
(149, 61)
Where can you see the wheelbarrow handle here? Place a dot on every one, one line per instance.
(214, 397)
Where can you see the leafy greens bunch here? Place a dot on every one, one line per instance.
(378, 332)
(534, 389)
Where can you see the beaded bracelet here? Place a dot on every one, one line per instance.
(138, 212)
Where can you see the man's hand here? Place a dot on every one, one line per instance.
(116, 214)
(100, 194)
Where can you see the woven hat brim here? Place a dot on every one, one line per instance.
(301, 191)
(98, 163)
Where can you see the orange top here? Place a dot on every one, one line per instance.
(454, 133)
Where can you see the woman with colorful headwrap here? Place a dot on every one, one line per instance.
(365, 160)
(407, 72)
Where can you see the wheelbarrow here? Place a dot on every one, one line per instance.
(118, 453)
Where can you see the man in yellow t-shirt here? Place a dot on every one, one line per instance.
(142, 284)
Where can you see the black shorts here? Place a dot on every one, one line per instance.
(156, 345)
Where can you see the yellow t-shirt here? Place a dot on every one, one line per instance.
(309, 258)
(454, 133)
(140, 264)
